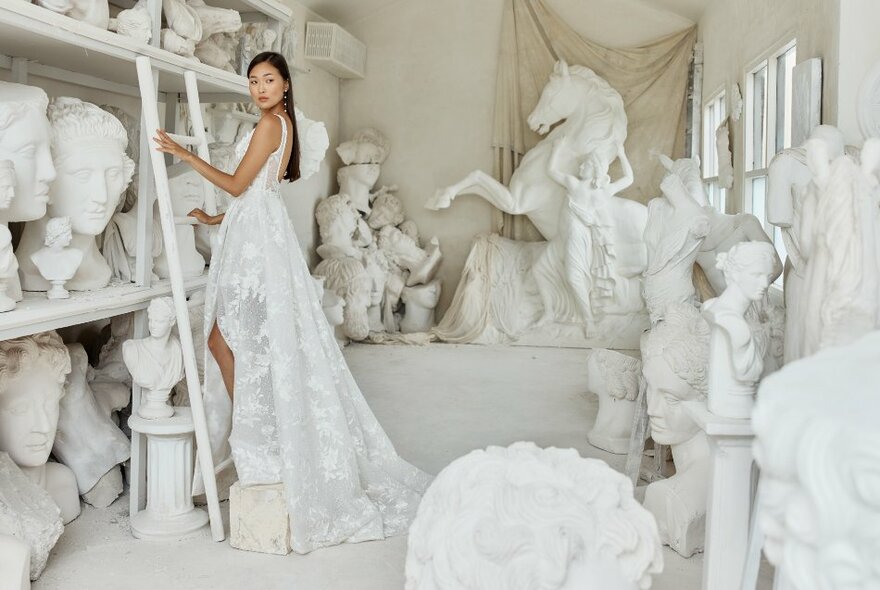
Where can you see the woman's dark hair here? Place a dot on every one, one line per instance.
(277, 61)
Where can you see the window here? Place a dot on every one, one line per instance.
(767, 128)
(714, 114)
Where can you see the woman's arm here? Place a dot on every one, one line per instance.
(267, 136)
(553, 170)
(625, 181)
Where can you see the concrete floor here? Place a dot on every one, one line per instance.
(437, 403)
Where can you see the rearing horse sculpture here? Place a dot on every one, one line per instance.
(594, 121)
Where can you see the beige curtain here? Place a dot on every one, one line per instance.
(652, 80)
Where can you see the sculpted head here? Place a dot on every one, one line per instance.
(818, 448)
(494, 516)
(368, 146)
(425, 296)
(750, 267)
(88, 145)
(162, 316)
(356, 181)
(58, 232)
(7, 183)
(387, 210)
(614, 374)
(399, 248)
(24, 140)
(675, 363)
(187, 192)
(32, 375)
(337, 219)
(349, 279)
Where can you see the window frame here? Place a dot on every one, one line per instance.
(752, 173)
(718, 100)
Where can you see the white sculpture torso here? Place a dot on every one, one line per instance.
(187, 193)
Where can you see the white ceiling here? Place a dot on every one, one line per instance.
(348, 11)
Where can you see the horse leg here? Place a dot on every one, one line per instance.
(477, 183)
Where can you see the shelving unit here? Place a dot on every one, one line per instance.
(35, 41)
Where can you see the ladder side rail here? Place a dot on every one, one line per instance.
(198, 123)
(206, 460)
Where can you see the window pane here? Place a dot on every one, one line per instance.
(721, 203)
(784, 75)
(759, 189)
(759, 118)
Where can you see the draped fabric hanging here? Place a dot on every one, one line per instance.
(652, 79)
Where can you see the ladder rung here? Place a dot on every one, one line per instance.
(184, 139)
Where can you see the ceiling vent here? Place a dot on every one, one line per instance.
(334, 49)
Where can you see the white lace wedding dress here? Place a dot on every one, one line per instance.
(299, 417)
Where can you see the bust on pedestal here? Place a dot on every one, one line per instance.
(736, 355)
(32, 374)
(156, 363)
(56, 262)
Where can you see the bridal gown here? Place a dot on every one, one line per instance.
(299, 418)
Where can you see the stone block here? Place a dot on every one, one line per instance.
(258, 519)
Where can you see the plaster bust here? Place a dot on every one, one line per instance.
(368, 146)
(736, 356)
(818, 447)
(348, 278)
(94, 12)
(32, 375)
(494, 516)
(402, 250)
(56, 262)
(156, 362)
(357, 181)
(674, 366)
(614, 378)
(88, 145)
(187, 193)
(337, 223)
(24, 140)
(8, 269)
(420, 302)
(387, 210)
(7, 183)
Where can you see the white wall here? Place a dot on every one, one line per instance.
(859, 51)
(317, 95)
(430, 87)
(737, 34)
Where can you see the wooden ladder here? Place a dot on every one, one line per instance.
(150, 112)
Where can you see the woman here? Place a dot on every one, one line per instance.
(298, 416)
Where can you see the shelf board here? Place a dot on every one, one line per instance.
(37, 34)
(271, 8)
(36, 313)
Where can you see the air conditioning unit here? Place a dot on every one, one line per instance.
(334, 49)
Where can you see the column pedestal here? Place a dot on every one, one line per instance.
(730, 491)
(170, 513)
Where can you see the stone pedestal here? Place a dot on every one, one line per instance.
(258, 519)
(15, 564)
(170, 513)
(730, 492)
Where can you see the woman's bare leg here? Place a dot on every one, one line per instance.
(223, 355)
